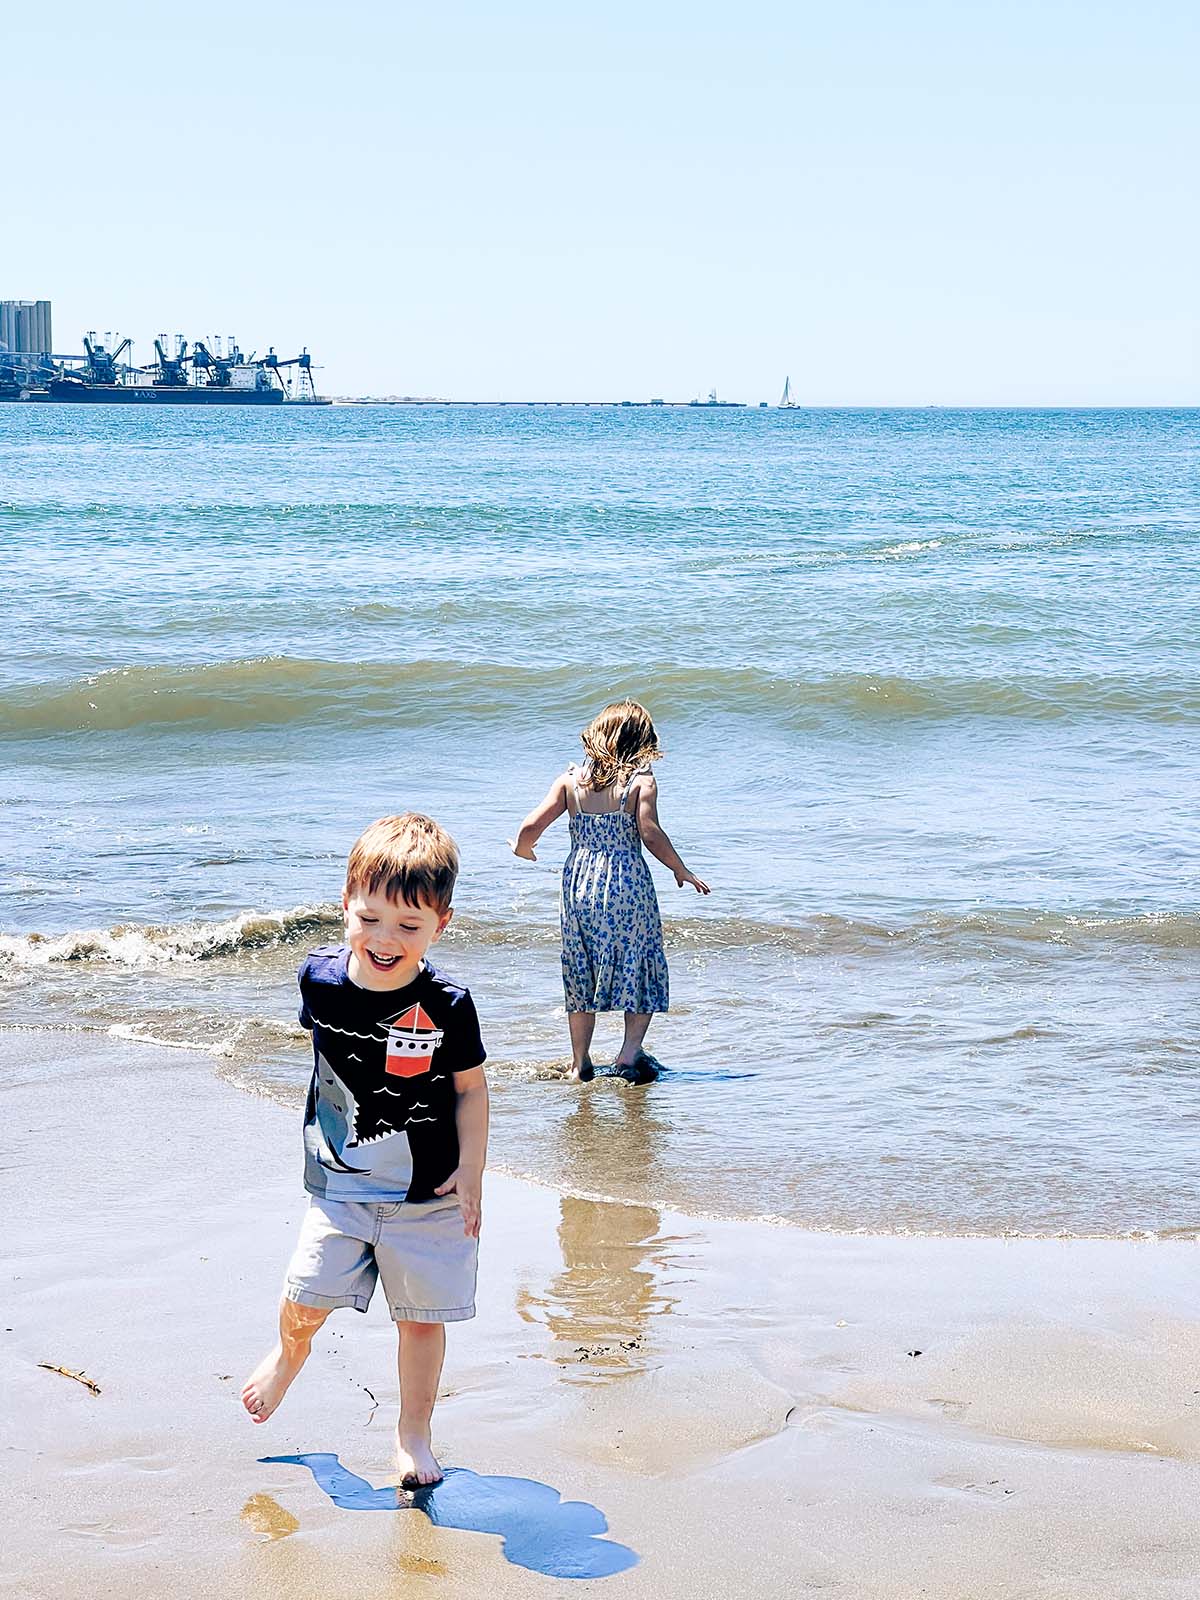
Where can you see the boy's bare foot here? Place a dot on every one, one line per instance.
(269, 1382)
(584, 1073)
(416, 1461)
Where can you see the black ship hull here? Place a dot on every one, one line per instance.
(166, 395)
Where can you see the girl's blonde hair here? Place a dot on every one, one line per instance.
(617, 742)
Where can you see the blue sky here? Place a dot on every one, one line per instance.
(922, 203)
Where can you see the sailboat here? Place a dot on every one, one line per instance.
(786, 403)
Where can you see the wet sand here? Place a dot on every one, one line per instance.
(753, 1409)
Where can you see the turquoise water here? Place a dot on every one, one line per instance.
(926, 680)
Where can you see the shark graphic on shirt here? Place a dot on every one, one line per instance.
(336, 1110)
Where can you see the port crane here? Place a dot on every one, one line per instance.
(217, 367)
(102, 363)
(304, 361)
(171, 374)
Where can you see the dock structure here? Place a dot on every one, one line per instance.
(549, 405)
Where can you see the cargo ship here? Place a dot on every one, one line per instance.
(194, 375)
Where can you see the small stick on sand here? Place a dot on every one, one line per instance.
(79, 1377)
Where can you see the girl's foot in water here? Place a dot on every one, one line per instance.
(639, 1070)
(582, 1072)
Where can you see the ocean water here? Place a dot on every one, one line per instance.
(927, 683)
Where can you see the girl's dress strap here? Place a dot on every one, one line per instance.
(573, 790)
(633, 777)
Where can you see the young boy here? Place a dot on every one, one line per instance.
(395, 1131)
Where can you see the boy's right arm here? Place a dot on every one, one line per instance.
(539, 819)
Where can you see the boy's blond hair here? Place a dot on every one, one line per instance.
(618, 741)
(408, 858)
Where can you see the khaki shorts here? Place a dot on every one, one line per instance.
(419, 1253)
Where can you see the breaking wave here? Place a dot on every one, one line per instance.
(285, 691)
(253, 932)
(150, 946)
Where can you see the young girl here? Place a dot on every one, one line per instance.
(612, 956)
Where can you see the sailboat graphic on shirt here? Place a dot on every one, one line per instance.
(411, 1041)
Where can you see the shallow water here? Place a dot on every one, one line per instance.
(927, 684)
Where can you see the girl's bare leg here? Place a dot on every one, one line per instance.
(422, 1351)
(271, 1379)
(636, 1023)
(582, 1025)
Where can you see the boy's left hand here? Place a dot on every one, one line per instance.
(468, 1187)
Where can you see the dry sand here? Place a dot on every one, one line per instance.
(754, 1409)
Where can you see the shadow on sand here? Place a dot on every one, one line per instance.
(540, 1531)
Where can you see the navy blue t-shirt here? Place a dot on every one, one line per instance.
(379, 1124)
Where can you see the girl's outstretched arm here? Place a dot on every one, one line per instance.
(539, 819)
(655, 839)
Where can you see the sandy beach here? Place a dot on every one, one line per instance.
(748, 1406)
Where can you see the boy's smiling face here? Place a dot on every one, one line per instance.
(388, 938)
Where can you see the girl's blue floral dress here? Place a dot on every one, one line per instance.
(612, 944)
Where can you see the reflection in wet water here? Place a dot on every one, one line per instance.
(614, 1135)
(266, 1516)
(599, 1307)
